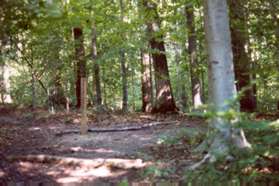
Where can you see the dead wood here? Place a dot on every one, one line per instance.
(118, 129)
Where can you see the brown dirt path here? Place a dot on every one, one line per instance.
(34, 134)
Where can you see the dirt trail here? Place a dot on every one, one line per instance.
(22, 136)
(113, 144)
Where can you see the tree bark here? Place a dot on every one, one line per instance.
(133, 88)
(274, 9)
(2, 83)
(146, 82)
(242, 61)
(123, 67)
(164, 97)
(124, 82)
(96, 71)
(33, 86)
(4, 77)
(192, 52)
(221, 81)
(80, 62)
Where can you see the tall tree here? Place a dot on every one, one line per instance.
(2, 74)
(192, 51)
(221, 81)
(164, 97)
(146, 82)
(80, 62)
(275, 20)
(96, 71)
(123, 66)
(241, 58)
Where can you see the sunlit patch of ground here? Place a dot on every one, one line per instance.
(35, 133)
(69, 170)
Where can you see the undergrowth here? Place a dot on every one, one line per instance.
(261, 164)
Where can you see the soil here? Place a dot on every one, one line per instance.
(25, 133)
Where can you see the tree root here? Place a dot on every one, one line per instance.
(88, 163)
(149, 125)
(221, 148)
(197, 165)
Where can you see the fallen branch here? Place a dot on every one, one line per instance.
(84, 163)
(7, 120)
(119, 129)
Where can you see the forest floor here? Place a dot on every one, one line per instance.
(33, 147)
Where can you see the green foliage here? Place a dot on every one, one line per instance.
(156, 172)
(123, 183)
(258, 165)
(189, 136)
(39, 33)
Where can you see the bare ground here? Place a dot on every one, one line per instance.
(52, 157)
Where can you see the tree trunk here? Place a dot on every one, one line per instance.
(146, 82)
(2, 84)
(33, 86)
(277, 50)
(221, 81)
(4, 77)
(124, 82)
(97, 95)
(80, 62)
(242, 61)
(274, 9)
(104, 86)
(178, 76)
(123, 67)
(133, 87)
(152, 78)
(164, 97)
(192, 51)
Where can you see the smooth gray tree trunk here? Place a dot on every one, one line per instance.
(123, 67)
(4, 76)
(274, 8)
(221, 82)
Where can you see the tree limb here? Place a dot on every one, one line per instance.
(121, 129)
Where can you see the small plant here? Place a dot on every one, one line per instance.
(191, 136)
(123, 183)
(156, 172)
(259, 164)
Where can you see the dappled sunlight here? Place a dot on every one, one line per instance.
(87, 150)
(65, 170)
(141, 138)
(26, 166)
(36, 151)
(34, 128)
(2, 173)
(164, 92)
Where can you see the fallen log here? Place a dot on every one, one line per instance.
(84, 163)
(118, 129)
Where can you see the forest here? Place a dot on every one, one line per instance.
(139, 92)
